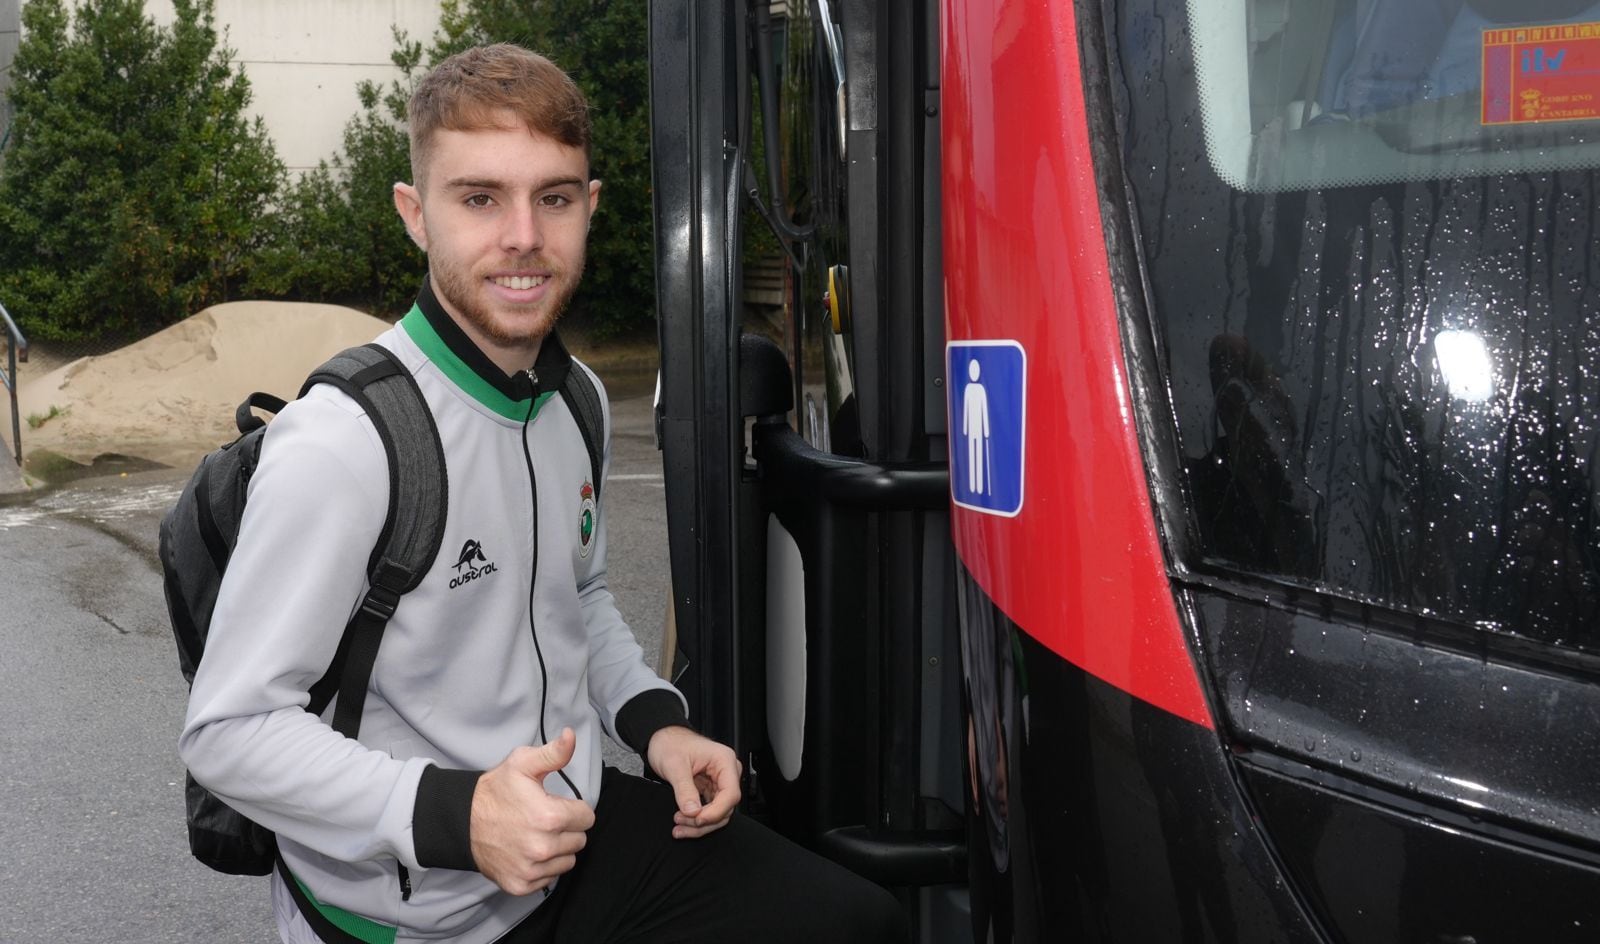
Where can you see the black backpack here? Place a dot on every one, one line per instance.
(198, 534)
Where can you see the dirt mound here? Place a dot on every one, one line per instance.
(170, 397)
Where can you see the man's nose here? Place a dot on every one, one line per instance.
(522, 233)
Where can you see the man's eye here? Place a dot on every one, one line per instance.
(554, 200)
(478, 200)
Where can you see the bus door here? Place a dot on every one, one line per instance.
(802, 424)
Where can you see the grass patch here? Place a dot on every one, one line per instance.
(36, 420)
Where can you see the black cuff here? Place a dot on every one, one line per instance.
(646, 713)
(441, 820)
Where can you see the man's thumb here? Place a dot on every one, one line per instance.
(686, 793)
(550, 756)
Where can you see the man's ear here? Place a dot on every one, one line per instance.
(408, 203)
(594, 198)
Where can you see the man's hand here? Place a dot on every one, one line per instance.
(702, 773)
(522, 837)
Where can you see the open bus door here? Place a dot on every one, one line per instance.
(804, 451)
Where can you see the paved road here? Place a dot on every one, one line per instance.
(91, 789)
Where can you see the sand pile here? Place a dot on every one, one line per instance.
(170, 397)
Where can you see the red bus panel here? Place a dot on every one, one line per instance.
(1078, 565)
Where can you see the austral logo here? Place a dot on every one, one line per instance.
(475, 563)
(586, 522)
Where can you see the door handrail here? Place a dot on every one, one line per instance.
(16, 345)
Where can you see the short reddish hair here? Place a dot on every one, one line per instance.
(473, 90)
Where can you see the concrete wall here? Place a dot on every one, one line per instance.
(10, 35)
(303, 58)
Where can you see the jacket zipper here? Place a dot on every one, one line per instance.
(533, 577)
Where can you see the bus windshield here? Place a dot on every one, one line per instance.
(1371, 239)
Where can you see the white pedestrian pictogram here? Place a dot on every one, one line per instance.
(975, 428)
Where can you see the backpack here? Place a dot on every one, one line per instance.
(198, 534)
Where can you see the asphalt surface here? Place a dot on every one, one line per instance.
(92, 819)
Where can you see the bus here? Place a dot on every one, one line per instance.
(1153, 495)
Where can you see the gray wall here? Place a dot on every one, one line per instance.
(10, 35)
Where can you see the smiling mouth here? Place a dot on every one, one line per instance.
(519, 281)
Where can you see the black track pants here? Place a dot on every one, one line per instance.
(634, 882)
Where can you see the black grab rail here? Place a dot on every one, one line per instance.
(15, 344)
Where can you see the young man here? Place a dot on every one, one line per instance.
(473, 806)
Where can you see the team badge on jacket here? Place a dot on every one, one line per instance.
(586, 522)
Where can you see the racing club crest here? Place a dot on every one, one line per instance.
(586, 522)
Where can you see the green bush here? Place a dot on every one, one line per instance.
(133, 185)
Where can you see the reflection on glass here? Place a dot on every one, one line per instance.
(1463, 361)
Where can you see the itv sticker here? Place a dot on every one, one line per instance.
(987, 384)
(1535, 74)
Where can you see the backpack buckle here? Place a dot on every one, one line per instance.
(380, 602)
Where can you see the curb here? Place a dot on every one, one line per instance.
(11, 479)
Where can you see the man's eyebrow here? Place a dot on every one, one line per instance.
(488, 183)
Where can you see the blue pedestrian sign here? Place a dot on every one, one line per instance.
(987, 383)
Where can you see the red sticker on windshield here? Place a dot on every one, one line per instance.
(1541, 73)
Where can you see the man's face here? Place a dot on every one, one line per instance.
(503, 215)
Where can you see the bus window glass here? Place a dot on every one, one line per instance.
(815, 181)
(1379, 313)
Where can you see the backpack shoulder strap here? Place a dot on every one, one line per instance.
(413, 528)
(583, 399)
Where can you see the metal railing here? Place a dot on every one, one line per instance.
(16, 345)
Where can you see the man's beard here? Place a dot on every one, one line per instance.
(458, 290)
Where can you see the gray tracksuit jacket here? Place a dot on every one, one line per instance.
(377, 828)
